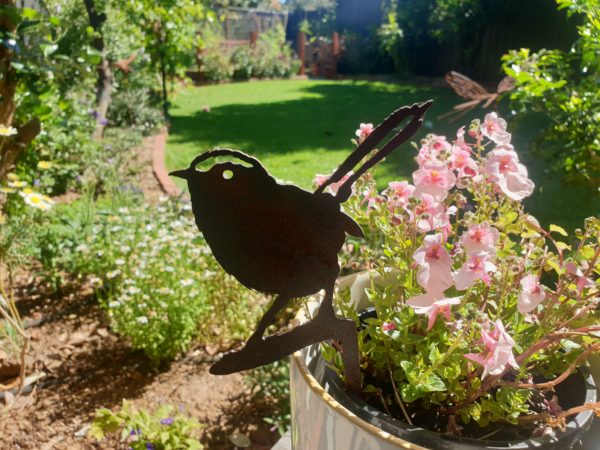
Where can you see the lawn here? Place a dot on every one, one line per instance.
(299, 128)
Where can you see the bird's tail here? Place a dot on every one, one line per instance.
(415, 112)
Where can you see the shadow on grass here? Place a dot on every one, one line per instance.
(299, 138)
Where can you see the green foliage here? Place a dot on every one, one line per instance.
(241, 59)
(141, 429)
(270, 57)
(272, 382)
(564, 87)
(158, 288)
(169, 30)
(57, 86)
(64, 144)
(391, 38)
(136, 105)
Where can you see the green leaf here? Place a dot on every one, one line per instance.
(28, 13)
(411, 372)
(409, 393)
(48, 49)
(563, 246)
(96, 432)
(587, 252)
(557, 229)
(554, 265)
(434, 354)
(432, 383)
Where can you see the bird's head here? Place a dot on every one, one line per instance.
(223, 180)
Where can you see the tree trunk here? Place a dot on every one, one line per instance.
(11, 146)
(105, 76)
(8, 78)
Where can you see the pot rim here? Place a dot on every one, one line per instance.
(320, 392)
(581, 421)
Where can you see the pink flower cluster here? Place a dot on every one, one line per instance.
(498, 351)
(429, 203)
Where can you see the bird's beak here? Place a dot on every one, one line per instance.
(180, 174)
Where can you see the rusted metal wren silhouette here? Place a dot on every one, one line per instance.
(283, 240)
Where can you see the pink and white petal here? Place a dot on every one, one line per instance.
(464, 278)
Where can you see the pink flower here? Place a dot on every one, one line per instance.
(461, 161)
(480, 238)
(388, 326)
(503, 167)
(372, 197)
(498, 354)
(582, 281)
(494, 128)
(398, 192)
(426, 304)
(435, 273)
(532, 294)
(319, 180)
(460, 139)
(430, 215)
(476, 268)
(364, 130)
(434, 179)
(433, 149)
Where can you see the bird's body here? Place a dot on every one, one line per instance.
(270, 236)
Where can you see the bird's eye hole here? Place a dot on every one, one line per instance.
(227, 174)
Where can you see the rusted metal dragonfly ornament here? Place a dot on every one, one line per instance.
(282, 240)
(474, 93)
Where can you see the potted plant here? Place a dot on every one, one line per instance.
(480, 321)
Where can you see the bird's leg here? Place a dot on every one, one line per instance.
(326, 307)
(268, 318)
(345, 332)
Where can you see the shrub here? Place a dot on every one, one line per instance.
(564, 87)
(271, 57)
(22, 214)
(216, 64)
(64, 147)
(142, 429)
(241, 59)
(155, 276)
(136, 104)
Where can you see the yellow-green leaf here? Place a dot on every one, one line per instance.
(557, 229)
(563, 246)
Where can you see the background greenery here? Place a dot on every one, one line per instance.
(301, 128)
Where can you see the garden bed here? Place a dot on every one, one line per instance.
(86, 367)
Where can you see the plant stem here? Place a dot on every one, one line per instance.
(397, 395)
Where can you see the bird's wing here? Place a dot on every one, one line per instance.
(351, 227)
(464, 86)
(506, 84)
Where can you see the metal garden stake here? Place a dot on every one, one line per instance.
(283, 240)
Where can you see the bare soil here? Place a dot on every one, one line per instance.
(86, 366)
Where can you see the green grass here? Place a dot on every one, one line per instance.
(299, 128)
